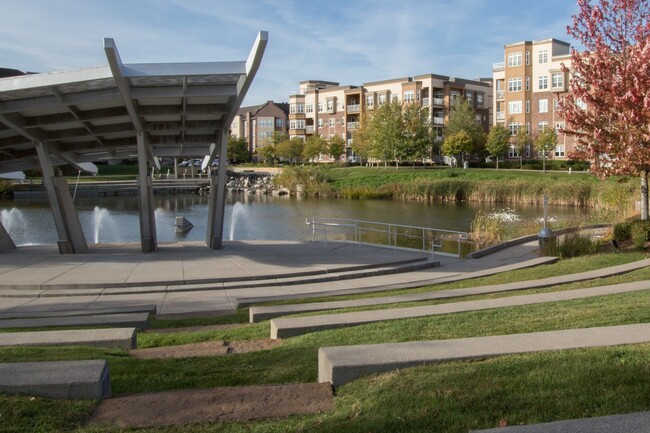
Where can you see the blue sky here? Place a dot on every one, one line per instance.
(347, 41)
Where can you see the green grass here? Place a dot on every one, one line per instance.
(449, 397)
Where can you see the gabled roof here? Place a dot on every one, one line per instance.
(95, 114)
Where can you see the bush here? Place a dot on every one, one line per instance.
(639, 233)
(622, 231)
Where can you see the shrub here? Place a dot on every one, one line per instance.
(575, 244)
(622, 231)
(639, 233)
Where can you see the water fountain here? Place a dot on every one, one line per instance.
(14, 223)
(103, 221)
(238, 212)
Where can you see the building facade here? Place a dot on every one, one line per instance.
(328, 109)
(258, 123)
(527, 87)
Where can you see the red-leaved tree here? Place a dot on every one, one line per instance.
(607, 108)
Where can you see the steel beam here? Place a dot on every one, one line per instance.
(217, 202)
(148, 239)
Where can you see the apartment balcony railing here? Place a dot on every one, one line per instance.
(501, 115)
(309, 129)
(438, 120)
(501, 95)
(425, 102)
(354, 108)
(497, 66)
(349, 142)
(438, 101)
(353, 125)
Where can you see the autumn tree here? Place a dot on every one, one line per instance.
(386, 131)
(498, 141)
(336, 147)
(607, 109)
(290, 149)
(462, 117)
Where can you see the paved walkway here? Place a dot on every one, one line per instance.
(115, 275)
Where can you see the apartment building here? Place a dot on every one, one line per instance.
(327, 108)
(258, 123)
(527, 87)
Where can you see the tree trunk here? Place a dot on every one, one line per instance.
(644, 195)
(497, 162)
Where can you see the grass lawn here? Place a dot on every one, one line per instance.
(448, 397)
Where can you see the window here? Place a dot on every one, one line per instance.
(300, 108)
(265, 122)
(527, 58)
(264, 135)
(543, 82)
(543, 105)
(382, 99)
(514, 59)
(300, 124)
(581, 104)
(528, 84)
(556, 103)
(514, 84)
(514, 107)
(514, 128)
(528, 151)
(330, 105)
(331, 122)
(370, 101)
(559, 126)
(479, 100)
(292, 108)
(454, 96)
(417, 96)
(320, 107)
(512, 152)
(557, 80)
(559, 150)
(279, 123)
(320, 123)
(528, 128)
(409, 96)
(543, 56)
(527, 106)
(541, 126)
(309, 108)
(395, 97)
(469, 97)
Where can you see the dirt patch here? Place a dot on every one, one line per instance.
(216, 404)
(207, 348)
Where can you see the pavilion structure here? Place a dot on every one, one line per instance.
(122, 111)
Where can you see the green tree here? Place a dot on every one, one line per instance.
(314, 146)
(386, 131)
(277, 138)
(545, 142)
(463, 118)
(457, 144)
(521, 140)
(238, 150)
(498, 141)
(290, 150)
(361, 138)
(417, 133)
(336, 147)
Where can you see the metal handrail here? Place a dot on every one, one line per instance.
(390, 235)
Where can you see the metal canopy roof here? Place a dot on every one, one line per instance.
(94, 114)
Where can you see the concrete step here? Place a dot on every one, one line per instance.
(128, 320)
(120, 338)
(638, 422)
(68, 380)
(259, 313)
(253, 282)
(293, 326)
(25, 313)
(342, 364)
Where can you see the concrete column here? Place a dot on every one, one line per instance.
(217, 202)
(148, 240)
(71, 237)
(6, 243)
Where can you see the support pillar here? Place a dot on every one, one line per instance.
(6, 243)
(71, 237)
(217, 202)
(148, 240)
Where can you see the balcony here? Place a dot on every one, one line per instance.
(498, 66)
(354, 108)
(425, 102)
(501, 95)
(309, 129)
(349, 142)
(438, 101)
(501, 115)
(438, 120)
(353, 126)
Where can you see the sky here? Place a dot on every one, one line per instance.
(346, 41)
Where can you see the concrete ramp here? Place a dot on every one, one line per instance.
(69, 380)
(638, 422)
(342, 364)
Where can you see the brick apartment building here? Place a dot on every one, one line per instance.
(526, 88)
(327, 108)
(258, 123)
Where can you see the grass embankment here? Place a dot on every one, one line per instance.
(449, 397)
(480, 185)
